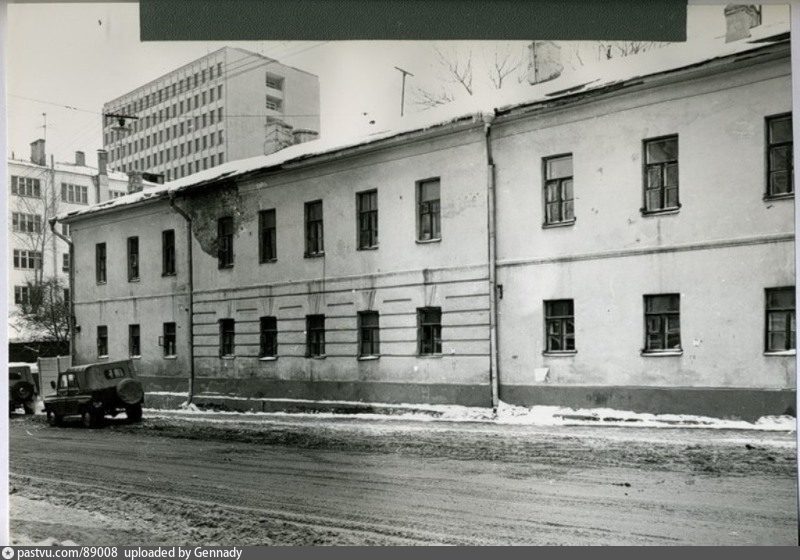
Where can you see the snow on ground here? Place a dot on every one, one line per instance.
(505, 414)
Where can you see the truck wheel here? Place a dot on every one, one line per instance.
(134, 413)
(23, 391)
(29, 408)
(91, 419)
(53, 419)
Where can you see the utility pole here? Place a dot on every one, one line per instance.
(403, 90)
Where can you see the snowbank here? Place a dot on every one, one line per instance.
(505, 414)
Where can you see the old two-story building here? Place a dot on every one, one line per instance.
(625, 240)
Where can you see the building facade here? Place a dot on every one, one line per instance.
(625, 245)
(230, 104)
(38, 191)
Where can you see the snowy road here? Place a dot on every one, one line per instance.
(283, 480)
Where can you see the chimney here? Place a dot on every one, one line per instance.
(739, 20)
(544, 62)
(80, 159)
(102, 162)
(135, 181)
(300, 135)
(278, 135)
(37, 152)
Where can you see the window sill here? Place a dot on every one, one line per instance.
(167, 274)
(771, 197)
(661, 354)
(664, 212)
(133, 280)
(565, 223)
(368, 358)
(430, 356)
(268, 261)
(227, 357)
(781, 353)
(101, 283)
(313, 255)
(320, 357)
(268, 359)
(560, 354)
(171, 357)
(104, 357)
(426, 241)
(137, 357)
(225, 266)
(370, 248)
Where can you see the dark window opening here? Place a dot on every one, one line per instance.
(268, 344)
(559, 318)
(429, 330)
(780, 319)
(100, 262)
(102, 341)
(558, 193)
(428, 210)
(169, 339)
(780, 160)
(134, 348)
(315, 335)
(225, 242)
(661, 174)
(267, 243)
(662, 323)
(133, 258)
(368, 333)
(314, 233)
(168, 252)
(227, 337)
(367, 219)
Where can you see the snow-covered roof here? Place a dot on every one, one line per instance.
(65, 167)
(592, 78)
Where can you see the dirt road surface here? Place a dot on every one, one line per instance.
(288, 480)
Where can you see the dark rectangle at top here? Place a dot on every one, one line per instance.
(262, 20)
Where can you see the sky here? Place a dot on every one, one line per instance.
(66, 60)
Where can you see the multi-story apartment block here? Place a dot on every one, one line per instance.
(38, 191)
(626, 243)
(228, 105)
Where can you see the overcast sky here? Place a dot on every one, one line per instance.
(81, 55)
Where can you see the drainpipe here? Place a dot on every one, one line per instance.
(71, 323)
(190, 281)
(494, 367)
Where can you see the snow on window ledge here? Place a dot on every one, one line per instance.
(665, 353)
(781, 353)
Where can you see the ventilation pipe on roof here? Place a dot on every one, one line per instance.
(37, 152)
(739, 20)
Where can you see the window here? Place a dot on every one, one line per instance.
(225, 242)
(559, 205)
(22, 294)
(268, 342)
(26, 186)
(780, 163)
(314, 235)
(780, 320)
(559, 325)
(65, 262)
(100, 262)
(662, 323)
(315, 335)
(273, 103)
(367, 203)
(267, 248)
(429, 330)
(227, 336)
(74, 194)
(428, 211)
(274, 82)
(102, 341)
(66, 297)
(133, 259)
(168, 252)
(168, 340)
(368, 334)
(30, 260)
(661, 174)
(26, 223)
(133, 340)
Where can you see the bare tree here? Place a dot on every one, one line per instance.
(30, 224)
(620, 49)
(46, 310)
